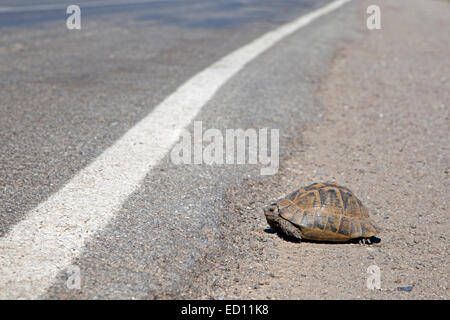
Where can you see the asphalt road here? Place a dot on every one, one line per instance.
(68, 95)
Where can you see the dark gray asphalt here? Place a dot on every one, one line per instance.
(184, 14)
(68, 95)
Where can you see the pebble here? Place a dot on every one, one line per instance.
(407, 288)
(18, 47)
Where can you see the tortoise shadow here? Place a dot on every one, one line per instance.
(364, 241)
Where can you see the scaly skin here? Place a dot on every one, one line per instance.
(279, 224)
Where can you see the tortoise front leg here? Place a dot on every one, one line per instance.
(290, 229)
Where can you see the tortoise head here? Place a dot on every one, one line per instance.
(272, 215)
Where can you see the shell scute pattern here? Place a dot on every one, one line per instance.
(331, 198)
(327, 211)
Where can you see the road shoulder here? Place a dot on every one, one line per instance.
(383, 132)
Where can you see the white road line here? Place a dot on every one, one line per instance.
(61, 6)
(54, 233)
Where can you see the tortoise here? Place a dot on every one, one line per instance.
(321, 212)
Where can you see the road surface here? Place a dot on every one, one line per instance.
(88, 119)
(136, 225)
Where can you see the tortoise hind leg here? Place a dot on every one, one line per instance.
(369, 228)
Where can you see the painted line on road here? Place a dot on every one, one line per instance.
(55, 232)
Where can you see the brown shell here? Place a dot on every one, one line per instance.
(328, 212)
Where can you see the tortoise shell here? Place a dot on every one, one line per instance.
(327, 212)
